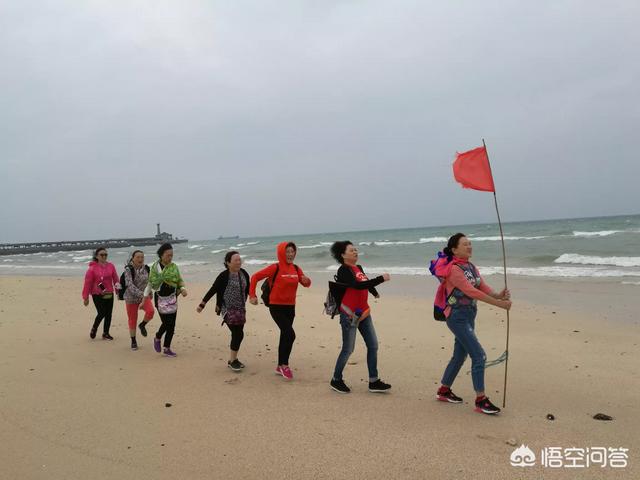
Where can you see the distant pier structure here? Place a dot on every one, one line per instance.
(71, 245)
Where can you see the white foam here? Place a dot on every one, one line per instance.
(575, 258)
(602, 233)
(316, 245)
(217, 251)
(42, 267)
(433, 240)
(382, 243)
(561, 272)
(391, 270)
(83, 258)
(496, 238)
(255, 261)
(188, 263)
(199, 247)
(631, 283)
(550, 271)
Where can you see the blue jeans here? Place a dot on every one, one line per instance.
(461, 322)
(349, 342)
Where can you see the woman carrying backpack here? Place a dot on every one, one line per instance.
(231, 288)
(355, 314)
(136, 279)
(461, 286)
(165, 280)
(101, 281)
(282, 284)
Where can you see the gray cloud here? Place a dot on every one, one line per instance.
(258, 117)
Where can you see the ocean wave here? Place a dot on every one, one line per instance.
(575, 258)
(631, 283)
(43, 267)
(383, 243)
(83, 258)
(189, 263)
(255, 261)
(496, 238)
(560, 272)
(192, 247)
(413, 271)
(602, 233)
(550, 271)
(218, 251)
(316, 245)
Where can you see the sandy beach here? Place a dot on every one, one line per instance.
(76, 408)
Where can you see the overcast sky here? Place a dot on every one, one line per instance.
(269, 117)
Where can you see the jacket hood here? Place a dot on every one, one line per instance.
(281, 251)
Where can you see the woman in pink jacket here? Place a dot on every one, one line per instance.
(101, 281)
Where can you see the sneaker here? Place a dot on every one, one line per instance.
(143, 329)
(285, 371)
(339, 386)
(106, 336)
(378, 386)
(92, 333)
(236, 366)
(134, 345)
(485, 406)
(168, 353)
(448, 396)
(156, 344)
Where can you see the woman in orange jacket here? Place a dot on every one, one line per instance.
(283, 278)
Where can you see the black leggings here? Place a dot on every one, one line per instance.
(237, 334)
(283, 315)
(167, 328)
(104, 307)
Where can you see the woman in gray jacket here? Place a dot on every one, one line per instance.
(136, 279)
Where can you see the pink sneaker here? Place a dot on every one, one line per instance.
(286, 373)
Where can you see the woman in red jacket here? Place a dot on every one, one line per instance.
(101, 281)
(283, 278)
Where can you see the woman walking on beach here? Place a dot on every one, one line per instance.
(136, 279)
(165, 280)
(460, 288)
(231, 288)
(101, 281)
(355, 314)
(283, 279)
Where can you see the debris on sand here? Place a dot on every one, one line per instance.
(603, 417)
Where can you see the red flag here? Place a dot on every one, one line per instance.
(471, 170)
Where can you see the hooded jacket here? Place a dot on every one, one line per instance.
(100, 273)
(285, 286)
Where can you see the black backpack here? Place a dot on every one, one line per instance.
(268, 286)
(333, 299)
(123, 283)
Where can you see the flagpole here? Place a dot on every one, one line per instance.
(504, 265)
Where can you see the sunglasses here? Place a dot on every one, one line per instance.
(102, 255)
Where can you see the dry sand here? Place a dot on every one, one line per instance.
(73, 408)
